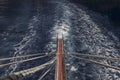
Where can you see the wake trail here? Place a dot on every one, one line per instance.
(88, 35)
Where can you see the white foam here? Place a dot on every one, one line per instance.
(73, 68)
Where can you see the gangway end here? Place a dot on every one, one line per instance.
(60, 36)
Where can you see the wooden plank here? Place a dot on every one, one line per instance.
(60, 67)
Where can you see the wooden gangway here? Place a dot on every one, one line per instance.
(60, 65)
(58, 60)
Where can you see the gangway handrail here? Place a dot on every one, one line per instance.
(95, 56)
(17, 57)
(21, 74)
(92, 61)
(22, 61)
(45, 73)
(29, 55)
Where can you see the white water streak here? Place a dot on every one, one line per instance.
(19, 48)
(94, 38)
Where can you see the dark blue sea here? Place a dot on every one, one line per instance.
(31, 26)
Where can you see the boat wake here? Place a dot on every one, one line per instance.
(83, 32)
